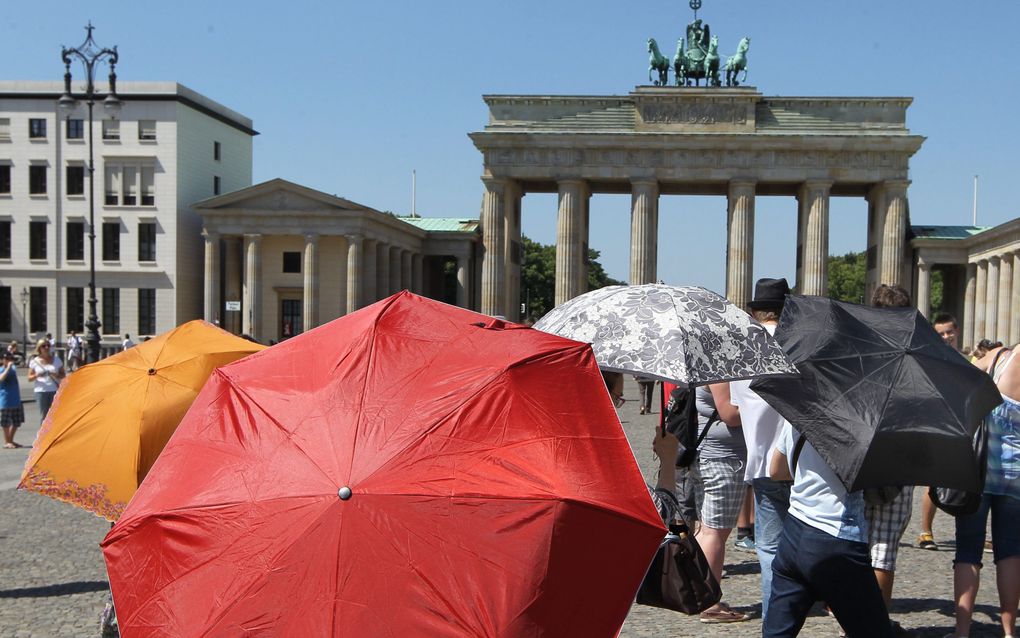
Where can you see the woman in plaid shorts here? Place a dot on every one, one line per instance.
(719, 478)
(12, 415)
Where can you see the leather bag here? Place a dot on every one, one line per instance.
(679, 577)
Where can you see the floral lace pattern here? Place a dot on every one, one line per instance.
(684, 334)
(92, 498)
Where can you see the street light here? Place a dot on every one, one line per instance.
(24, 321)
(90, 55)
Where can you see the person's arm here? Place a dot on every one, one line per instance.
(59, 365)
(729, 413)
(8, 366)
(665, 448)
(33, 374)
(779, 467)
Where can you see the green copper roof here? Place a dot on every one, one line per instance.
(443, 224)
(947, 232)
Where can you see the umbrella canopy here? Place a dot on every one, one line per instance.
(111, 419)
(411, 469)
(881, 397)
(686, 335)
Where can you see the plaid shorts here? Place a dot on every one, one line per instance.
(886, 524)
(12, 417)
(721, 490)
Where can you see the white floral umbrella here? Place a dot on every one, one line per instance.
(687, 335)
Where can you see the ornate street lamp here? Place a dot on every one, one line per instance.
(90, 56)
(24, 321)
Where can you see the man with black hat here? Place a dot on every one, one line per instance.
(761, 425)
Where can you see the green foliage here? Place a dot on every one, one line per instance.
(937, 291)
(846, 277)
(538, 276)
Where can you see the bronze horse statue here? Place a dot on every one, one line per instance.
(695, 64)
(657, 62)
(738, 63)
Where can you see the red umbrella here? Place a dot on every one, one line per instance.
(412, 469)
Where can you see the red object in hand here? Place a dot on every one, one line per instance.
(400, 471)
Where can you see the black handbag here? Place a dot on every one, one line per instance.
(958, 502)
(679, 577)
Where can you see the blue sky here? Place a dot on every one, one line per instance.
(351, 96)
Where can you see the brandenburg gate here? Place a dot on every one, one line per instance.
(662, 140)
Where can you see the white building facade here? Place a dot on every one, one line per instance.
(168, 148)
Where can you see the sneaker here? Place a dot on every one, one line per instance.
(988, 550)
(745, 544)
(926, 541)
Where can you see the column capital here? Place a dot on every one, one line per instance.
(495, 184)
(743, 183)
(312, 238)
(994, 259)
(644, 182)
(355, 237)
(896, 184)
(210, 235)
(255, 238)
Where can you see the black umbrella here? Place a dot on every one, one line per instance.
(880, 396)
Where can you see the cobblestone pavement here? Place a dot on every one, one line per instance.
(53, 582)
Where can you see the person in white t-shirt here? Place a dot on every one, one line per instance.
(823, 551)
(761, 425)
(127, 342)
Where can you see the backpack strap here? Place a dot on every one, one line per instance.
(992, 372)
(712, 420)
(796, 453)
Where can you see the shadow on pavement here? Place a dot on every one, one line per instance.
(61, 589)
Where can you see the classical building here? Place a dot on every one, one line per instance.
(980, 270)
(281, 258)
(732, 142)
(168, 148)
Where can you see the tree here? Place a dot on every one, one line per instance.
(538, 276)
(847, 275)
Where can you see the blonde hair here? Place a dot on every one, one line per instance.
(39, 344)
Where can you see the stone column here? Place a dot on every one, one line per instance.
(212, 275)
(992, 300)
(355, 247)
(463, 279)
(405, 270)
(970, 292)
(923, 295)
(252, 292)
(493, 240)
(233, 275)
(369, 266)
(644, 231)
(382, 270)
(310, 296)
(570, 240)
(1014, 303)
(1004, 316)
(512, 237)
(814, 196)
(894, 232)
(395, 283)
(740, 242)
(980, 301)
(416, 273)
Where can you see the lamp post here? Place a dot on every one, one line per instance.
(24, 321)
(90, 56)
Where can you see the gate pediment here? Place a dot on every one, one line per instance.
(685, 110)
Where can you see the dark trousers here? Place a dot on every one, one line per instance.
(811, 566)
(647, 394)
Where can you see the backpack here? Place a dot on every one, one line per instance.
(680, 419)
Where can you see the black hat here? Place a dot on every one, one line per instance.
(769, 293)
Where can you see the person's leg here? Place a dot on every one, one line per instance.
(771, 502)
(970, 541)
(9, 435)
(790, 596)
(45, 400)
(926, 540)
(1006, 548)
(886, 524)
(843, 577)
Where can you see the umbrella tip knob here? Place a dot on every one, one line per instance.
(344, 493)
(152, 371)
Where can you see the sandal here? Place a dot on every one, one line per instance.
(11, 446)
(926, 541)
(722, 614)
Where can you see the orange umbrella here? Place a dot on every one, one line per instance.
(111, 419)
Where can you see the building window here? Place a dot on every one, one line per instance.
(111, 241)
(146, 129)
(36, 179)
(5, 179)
(292, 262)
(75, 129)
(5, 128)
(75, 179)
(75, 241)
(111, 311)
(216, 151)
(37, 240)
(124, 182)
(216, 185)
(76, 309)
(36, 128)
(37, 309)
(147, 241)
(5, 241)
(111, 129)
(146, 311)
(5, 309)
